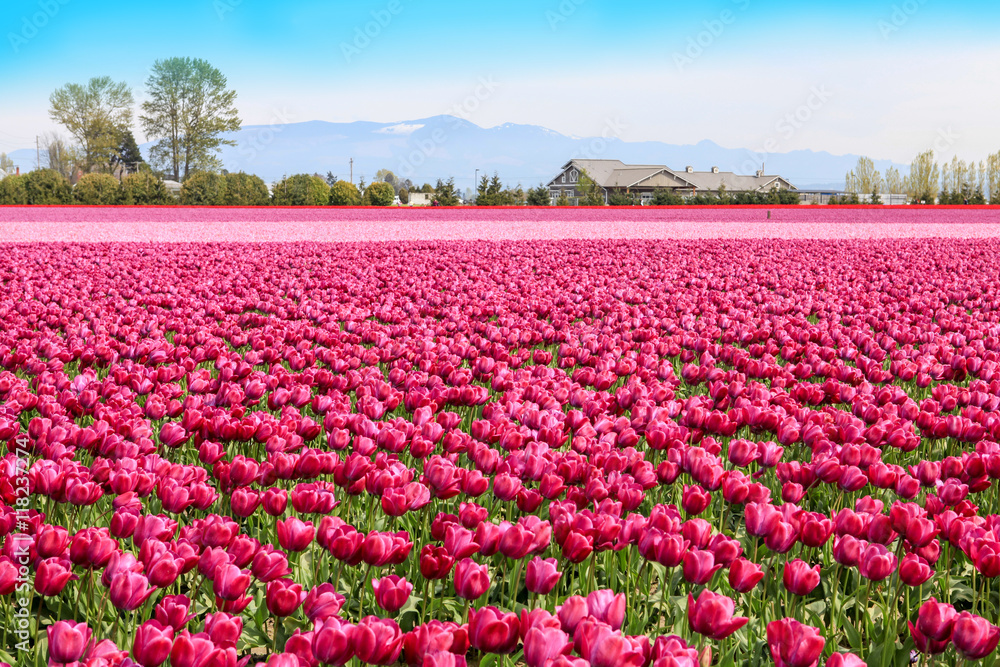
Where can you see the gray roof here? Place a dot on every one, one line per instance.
(707, 180)
(617, 174)
(3, 174)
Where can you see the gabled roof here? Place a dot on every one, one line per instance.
(617, 174)
(707, 180)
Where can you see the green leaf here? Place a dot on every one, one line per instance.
(853, 636)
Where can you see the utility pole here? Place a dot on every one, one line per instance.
(352, 171)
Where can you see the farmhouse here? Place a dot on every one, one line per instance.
(643, 180)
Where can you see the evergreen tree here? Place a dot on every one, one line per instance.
(129, 157)
(539, 196)
(593, 194)
(445, 193)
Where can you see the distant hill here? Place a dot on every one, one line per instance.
(442, 146)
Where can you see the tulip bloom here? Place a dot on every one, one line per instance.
(744, 575)
(283, 597)
(607, 607)
(695, 500)
(322, 602)
(711, 615)
(845, 660)
(223, 629)
(544, 644)
(471, 580)
(573, 610)
(925, 644)
(333, 641)
(377, 641)
(435, 562)
(52, 576)
(391, 592)
(230, 582)
(67, 641)
(877, 563)
(295, 534)
(793, 644)
(542, 576)
(799, 578)
(493, 631)
(152, 644)
(129, 591)
(173, 611)
(914, 570)
(699, 566)
(973, 636)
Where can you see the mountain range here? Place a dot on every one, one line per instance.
(441, 146)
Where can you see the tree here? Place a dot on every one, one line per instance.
(592, 193)
(864, 178)
(343, 193)
(894, 183)
(380, 193)
(203, 189)
(563, 199)
(539, 196)
(301, 190)
(245, 190)
(622, 199)
(13, 191)
(992, 185)
(188, 111)
(386, 176)
(665, 197)
(61, 156)
(144, 189)
(97, 115)
(445, 193)
(875, 199)
(491, 192)
(924, 181)
(331, 179)
(789, 198)
(47, 187)
(6, 164)
(128, 156)
(97, 190)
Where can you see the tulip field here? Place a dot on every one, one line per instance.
(550, 453)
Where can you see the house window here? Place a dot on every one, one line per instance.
(564, 178)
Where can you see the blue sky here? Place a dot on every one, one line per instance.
(881, 78)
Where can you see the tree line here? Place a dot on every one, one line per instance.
(187, 113)
(954, 182)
